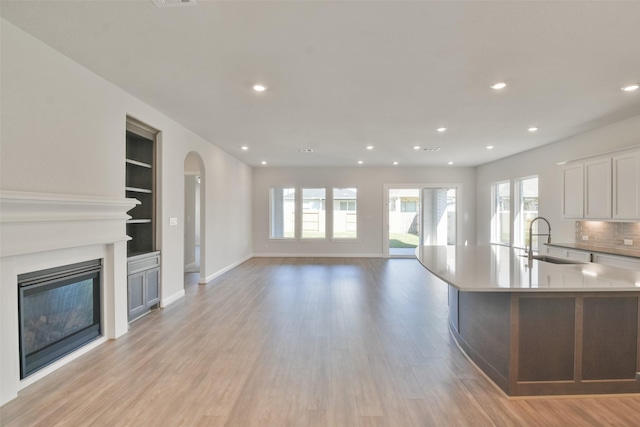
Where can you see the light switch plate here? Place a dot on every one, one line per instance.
(173, 221)
(585, 237)
(628, 242)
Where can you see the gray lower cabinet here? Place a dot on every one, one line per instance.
(143, 284)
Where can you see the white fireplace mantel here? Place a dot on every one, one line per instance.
(34, 222)
(39, 231)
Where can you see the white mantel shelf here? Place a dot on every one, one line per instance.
(36, 222)
(20, 206)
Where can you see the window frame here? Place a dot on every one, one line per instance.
(301, 215)
(520, 240)
(495, 234)
(347, 212)
(295, 213)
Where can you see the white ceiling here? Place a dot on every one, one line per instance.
(343, 75)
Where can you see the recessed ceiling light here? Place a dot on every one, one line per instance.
(416, 147)
(395, 163)
(489, 147)
(532, 129)
(499, 85)
(244, 147)
(360, 162)
(631, 88)
(370, 147)
(259, 88)
(450, 163)
(441, 129)
(263, 162)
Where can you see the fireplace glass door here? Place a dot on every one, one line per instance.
(59, 312)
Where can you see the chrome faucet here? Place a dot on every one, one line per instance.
(530, 253)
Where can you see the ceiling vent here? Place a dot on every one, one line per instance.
(432, 149)
(174, 3)
(305, 150)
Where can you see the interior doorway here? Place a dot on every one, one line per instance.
(419, 214)
(194, 215)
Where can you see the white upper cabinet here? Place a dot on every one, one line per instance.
(573, 191)
(626, 186)
(597, 186)
(601, 188)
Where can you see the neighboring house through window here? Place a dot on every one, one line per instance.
(345, 215)
(314, 213)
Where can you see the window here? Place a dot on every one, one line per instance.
(345, 215)
(408, 205)
(526, 209)
(345, 205)
(501, 213)
(313, 213)
(282, 209)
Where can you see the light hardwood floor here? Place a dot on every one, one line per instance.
(296, 342)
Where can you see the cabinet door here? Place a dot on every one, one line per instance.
(597, 183)
(153, 286)
(136, 295)
(626, 186)
(572, 191)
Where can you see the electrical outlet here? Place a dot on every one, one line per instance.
(628, 242)
(173, 221)
(585, 237)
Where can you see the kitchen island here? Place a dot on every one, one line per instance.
(539, 328)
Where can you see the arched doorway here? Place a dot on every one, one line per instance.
(194, 217)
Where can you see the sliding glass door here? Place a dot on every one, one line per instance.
(403, 221)
(419, 215)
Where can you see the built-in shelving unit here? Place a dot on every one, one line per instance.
(140, 183)
(143, 264)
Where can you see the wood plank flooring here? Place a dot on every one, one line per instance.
(296, 342)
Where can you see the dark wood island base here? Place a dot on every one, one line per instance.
(551, 343)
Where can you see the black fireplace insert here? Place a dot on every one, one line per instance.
(59, 311)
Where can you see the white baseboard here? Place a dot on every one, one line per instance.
(171, 299)
(191, 268)
(224, 270)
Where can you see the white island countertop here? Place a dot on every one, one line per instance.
(494, 268)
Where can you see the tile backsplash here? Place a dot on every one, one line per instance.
(612, 234)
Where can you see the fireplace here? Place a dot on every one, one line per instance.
(59, 312)
(44, 231)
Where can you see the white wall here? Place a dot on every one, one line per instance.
(543, 162)
(63, 131)
(370, 184)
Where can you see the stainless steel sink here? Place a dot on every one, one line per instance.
(553, 260)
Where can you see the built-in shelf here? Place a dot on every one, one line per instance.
(143, 265)
(137, 163)
(138, 190)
